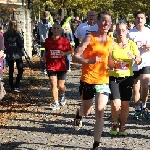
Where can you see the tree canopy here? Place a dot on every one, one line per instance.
(116, 7)
(80, 7)
(6, 11)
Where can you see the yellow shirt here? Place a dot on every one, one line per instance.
(126, 62)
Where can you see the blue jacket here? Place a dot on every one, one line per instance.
(43, 28)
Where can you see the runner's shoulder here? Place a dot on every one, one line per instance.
(111, 40)
(82, 25)
(133, 30)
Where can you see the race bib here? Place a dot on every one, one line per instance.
(140, 44)
(102, 88)
(122, 65)
(55, 53)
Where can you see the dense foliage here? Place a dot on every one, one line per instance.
(80, 7)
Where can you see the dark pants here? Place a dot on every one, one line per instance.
(121, 88)
(68, 61)
(19, 65)
(43, 65)
(69, 36)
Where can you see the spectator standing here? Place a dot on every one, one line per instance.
(13, 48)
(43, 29)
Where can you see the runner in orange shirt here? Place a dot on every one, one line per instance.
(93, 54)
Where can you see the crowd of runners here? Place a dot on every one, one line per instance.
(115, 65)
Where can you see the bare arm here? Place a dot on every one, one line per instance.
(77, 58)
(65, 53)
(135, 55)
(111, 62)
(68, 52)
(137, 58)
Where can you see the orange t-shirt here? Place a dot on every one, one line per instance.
(96, 73)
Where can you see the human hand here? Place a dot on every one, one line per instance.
(118, 64)
(146, 47)
(130, 55)
(62, 53)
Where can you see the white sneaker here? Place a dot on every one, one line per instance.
(55, 106)
(69, 70)
(18, 90)
(62, 100)
(45, 72)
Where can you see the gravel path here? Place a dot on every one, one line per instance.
(27, 123)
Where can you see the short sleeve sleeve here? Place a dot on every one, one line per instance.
(68, 46)
(77, 33)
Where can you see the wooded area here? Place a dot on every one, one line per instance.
(119, 8)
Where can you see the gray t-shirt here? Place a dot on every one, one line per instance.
(43, 27)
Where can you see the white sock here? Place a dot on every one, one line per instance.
(138, 108)
(56, 102)
(143, 105)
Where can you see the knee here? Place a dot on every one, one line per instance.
(125, 105)
(115, 105)
(61, 86)
(53, 84)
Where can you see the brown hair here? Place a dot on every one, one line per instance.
(139, 12)
(124, 23)
(12, 27)
(102, 14)
(90, 12)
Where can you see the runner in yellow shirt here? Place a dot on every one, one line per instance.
(124, 52)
